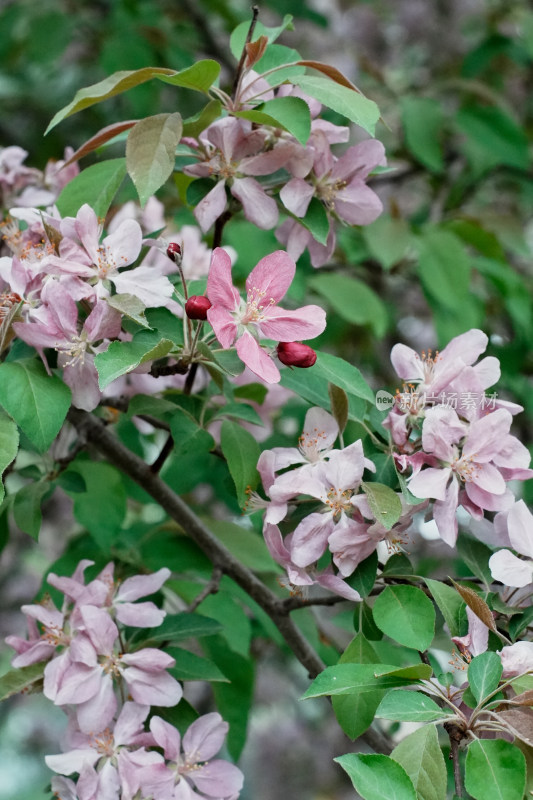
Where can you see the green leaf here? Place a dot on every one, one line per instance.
(96, 185)
(310, 385)
(384, 503)
(406, 615)
(130, 306)
(421, 757)
(275, 57)
(363, 678)
(443, 268)
(242, 452)
(290, 113)
(188, 436)
(27, 507)
(110, 86)
(178, 628)
(388, 240)
(233, 700)
(351, 104)
(244, 543)
(19, 680)
(151, 152)
(200, 77)
(493, 132)
(316, 221)
(339, 405)
(193, 126)
(168, 325)
(355, 713)
(103, 519)
(484, 674)
(402, 705)
(337, 371)
(451, 605)
(364, 577)
(242, 411)
(353, 300)
(71, 481)
(422, 119)
(122, 357)
(377, 777)
(239, 34)
(190, 667)
(36, 401)
(9, 445)
(476, 556)
(495, 770)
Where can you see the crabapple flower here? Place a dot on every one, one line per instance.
(191, 771)
(314, 444)
(245, 321)
(504, 565)
(517, 659)
(295, 238)
(234, 153)
(477, 638)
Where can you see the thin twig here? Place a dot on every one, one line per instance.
(211, 587)
(240, 67)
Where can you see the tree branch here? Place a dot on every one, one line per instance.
(94, 431)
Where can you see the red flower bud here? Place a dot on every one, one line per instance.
(197, 306)
(296, 354)
(174, 252)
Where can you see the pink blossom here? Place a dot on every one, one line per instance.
(296, 239)
(235, 154)
(244, 322)
(476, 640)
(517, 659)
(191, 770)
(314, 445)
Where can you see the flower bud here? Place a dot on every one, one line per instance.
(197, 306)
(296, 354)
(174, 253)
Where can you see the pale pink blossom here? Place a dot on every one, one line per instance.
(517, 659)
(477, 638)
(245, 321)
(504, 565)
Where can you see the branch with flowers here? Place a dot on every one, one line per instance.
(151, 382)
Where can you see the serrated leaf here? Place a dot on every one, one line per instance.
(339, 405)
(355, 713)
(421, 757)
(477, 605)
(151, 152)
(337, 371)
(363, 678)
(200, 77)
(96, 185)
(122, 357)
(422, 119)
(239, 34)
(312, 387)
(130, 306)
(384, 503)
(332, 72)
(351, 104)
(316, 221)
(451, 605)
(484, 674)
(476, 556)
(103, 519)
(27, 507)
(290, 113)
(353, 300)
(188, 436)
(36, 401)
(242, 452)
(190, 667)
(377, 777)
(402, 705)
(193, 126)
(19, 680)
(109, 87)
(406, 615)
(495, 770)
(9, 444)
(102, 137)
(244, 544)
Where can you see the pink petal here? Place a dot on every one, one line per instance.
(204, 738)
(291, 326)
(72, 761)
(268, 162)
(444, 514)
(152, 689)
(357, 204)
(218, 779)
(359, 160)
(485, 436)
(257, 359)
(468, 347)
(310, 538)
(257, 206)
(167, 737)
(211, 206)
(100, 628)
(270, 278)
(223, 324)
(296, 196)
(520, 526)
(430, 482)
(142, 585)
(220, 289)
(140, 615)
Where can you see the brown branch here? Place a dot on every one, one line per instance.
(240, 67)
(93, 430)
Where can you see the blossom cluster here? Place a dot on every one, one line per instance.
(90, 671)
(343, 522)
(462, 456)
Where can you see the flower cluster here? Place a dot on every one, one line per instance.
(343, 522)
(90, 672)
(455, 457)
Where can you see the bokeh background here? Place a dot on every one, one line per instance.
(453, 249)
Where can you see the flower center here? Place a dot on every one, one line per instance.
(339, 500)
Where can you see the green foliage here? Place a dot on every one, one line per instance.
(406, 615)
(495, 770)
(242, 453)
(377, 777)
(96, 185)
(9, 442)
(150, 152)
(421, 757)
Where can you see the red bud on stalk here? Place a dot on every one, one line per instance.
(197, 306)
(296, 354)
(174, 252)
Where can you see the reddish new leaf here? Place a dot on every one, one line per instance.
(100, 138)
